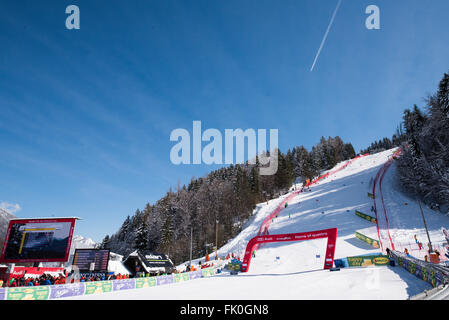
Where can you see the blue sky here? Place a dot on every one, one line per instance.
(86, 114)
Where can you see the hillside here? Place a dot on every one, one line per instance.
(295, 270)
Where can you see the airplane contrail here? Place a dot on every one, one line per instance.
(325, 35)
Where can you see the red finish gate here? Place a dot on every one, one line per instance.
(330, 234)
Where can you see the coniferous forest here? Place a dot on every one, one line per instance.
(423, 168)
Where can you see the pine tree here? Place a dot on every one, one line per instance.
(141, 239)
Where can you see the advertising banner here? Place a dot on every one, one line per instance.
(365, 216)
(425, 271)
(161, 280)
(67, 290)
(145, 282)
(372, 242)
(98, 287)
(195, 274)
(367, 261)
(181, 277)
(29, 293)
(2, 293)
(208, 272)
(124, 284)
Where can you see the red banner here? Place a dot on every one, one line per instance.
(330, 234)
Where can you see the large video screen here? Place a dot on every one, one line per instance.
(94, 260)
(38, 240)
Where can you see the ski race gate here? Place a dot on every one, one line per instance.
(330, 234)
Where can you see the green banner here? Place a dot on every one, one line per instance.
(29, 293)
(208, 272)
(372, 242)
(145, 282)
(367, 261)
(370, 195)
(365, 216)
(234, 266)
(95, 287)
(181, 277)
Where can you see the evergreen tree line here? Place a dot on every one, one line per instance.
(224, 199)
(386, 143)
(423, 168)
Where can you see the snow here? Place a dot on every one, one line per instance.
(405, 220)
(295, 270)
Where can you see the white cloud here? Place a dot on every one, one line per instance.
(10, 207)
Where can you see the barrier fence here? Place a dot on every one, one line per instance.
(365, 216)
(370, 241)
(364, 260)
(434, 274)
(96, 287)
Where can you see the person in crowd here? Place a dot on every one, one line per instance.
(13, 283)
(446, 235)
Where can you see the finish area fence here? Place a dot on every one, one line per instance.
(432, 273)
(96, 287)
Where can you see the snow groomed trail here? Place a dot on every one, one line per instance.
(295, 270)
(383, 225)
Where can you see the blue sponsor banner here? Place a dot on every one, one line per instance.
(2, 293)
(195, 274)
(124, 284)
(67, 290)
(161, 280)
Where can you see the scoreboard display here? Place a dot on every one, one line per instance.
(38, 240)
(94, 260)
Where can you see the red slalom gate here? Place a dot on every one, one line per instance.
(330, 234)
(263, 230)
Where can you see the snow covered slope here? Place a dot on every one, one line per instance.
(294, 270)
(405, 220)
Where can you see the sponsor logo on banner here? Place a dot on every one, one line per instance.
(67, 290)
(381, 261)
(2, 293)
(145, 282)
(124, 284)
(29, 293)
(161, 280)
(366, 261)
(98, 287)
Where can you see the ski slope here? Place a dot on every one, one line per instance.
(294, 270)
(405, 220)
